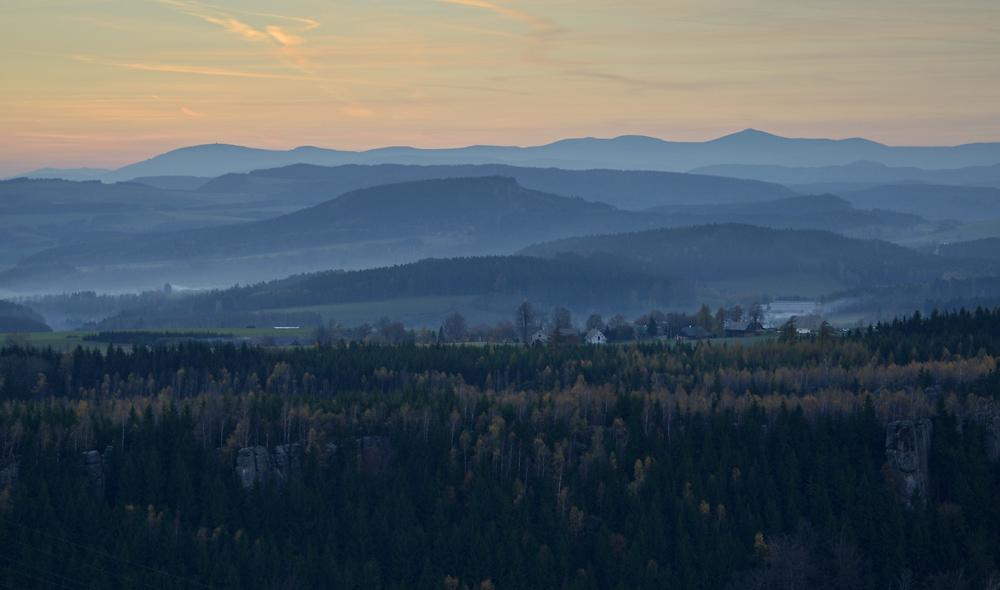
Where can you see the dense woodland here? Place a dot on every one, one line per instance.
(738, 251)
(594, 281)
(709, 466)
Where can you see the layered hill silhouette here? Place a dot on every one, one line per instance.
(633, 189)
(471, 210)
(368, 227)
(750, 147)
(935, 202)
(862, 171)
(617, 273)
(736, 251)
(827, 212)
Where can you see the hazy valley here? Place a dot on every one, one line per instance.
(212, 217)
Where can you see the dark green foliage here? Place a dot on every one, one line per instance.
(528, 466)
(983, 248)
(576, 281)
(20, 318)
(714, 252)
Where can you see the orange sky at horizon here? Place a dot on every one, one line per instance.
(104, 83)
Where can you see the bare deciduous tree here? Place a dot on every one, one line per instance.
(524, 320)
(455, 327)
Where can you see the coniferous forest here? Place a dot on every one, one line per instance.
(661, 465)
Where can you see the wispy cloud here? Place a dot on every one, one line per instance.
(217, 17)
(637, 83)
(286, 39)
(184, 69)
(537, 23)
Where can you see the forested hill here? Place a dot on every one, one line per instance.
(500, 282)
(481, 215)
(626, 189)
(982, 248)
(617, 273)
(20, 318)
(712, 252)
(826, 212)
(773, 465)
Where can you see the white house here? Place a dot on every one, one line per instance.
(539, 336)
(595, 336)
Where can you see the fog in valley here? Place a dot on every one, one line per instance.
(222, 236)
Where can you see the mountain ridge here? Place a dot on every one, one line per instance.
(397, 223)
(626, 152)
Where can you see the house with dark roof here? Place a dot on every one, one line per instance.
(694, 333)
(743, 329)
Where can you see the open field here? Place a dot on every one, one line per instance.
(412, 311)
(66, 341)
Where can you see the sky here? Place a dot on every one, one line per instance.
(104, 83)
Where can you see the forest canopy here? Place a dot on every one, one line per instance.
(757, 465)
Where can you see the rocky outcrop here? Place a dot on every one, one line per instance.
(288, 460)
(907, 444)
(258, 464)
(253, 465)
(95, 469)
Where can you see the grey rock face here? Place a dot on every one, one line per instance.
(288, 460)
(253, 464)
(95, 469)
(907, 444)
(257, 464)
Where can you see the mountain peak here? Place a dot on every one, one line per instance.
(748, 135)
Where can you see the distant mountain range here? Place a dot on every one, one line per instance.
(749, 147)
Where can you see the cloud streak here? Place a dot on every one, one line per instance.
(536, 23)
(288, 40)
(183, 69)
(541, 30)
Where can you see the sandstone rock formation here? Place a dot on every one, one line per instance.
(258, 464)
(907, 444)
(253, 464)
(95, 469)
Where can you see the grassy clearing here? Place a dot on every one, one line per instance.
(66, 341)
(61, 341)
(412, 311)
